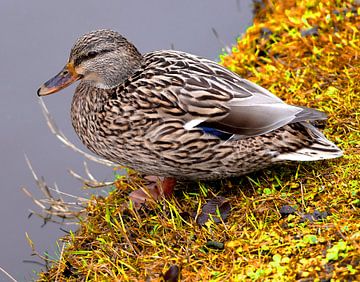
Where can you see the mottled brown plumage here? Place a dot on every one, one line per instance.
(170, 113)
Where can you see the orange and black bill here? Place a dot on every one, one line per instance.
(59, 81)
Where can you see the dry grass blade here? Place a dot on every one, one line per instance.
(91, 181)
(59, 269)
(57, 132)
(52, 206)
(7, 274)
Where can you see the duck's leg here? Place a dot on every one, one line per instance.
(156, 187)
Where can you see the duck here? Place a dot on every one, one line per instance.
(179, 116)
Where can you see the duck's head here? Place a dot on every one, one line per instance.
(102, 58)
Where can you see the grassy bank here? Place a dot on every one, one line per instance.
(298, 221)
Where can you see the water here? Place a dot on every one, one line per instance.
(36, 37)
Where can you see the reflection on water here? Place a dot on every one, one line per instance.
(36, 37)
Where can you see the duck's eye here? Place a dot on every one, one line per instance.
(85, 57)
(91, 54)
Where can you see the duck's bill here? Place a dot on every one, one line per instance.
(59, 81)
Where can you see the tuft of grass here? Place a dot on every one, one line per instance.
(307, 52)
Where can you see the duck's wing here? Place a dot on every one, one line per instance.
(204, 94)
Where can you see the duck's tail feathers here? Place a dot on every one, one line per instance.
(320, 149)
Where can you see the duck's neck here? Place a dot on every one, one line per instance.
(88, 94)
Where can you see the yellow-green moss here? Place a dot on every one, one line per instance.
(320, 70)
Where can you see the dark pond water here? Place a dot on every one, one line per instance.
(35, 39)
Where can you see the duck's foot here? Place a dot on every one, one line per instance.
(156, 187)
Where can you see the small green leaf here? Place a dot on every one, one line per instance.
(311, 239)
(267, 191)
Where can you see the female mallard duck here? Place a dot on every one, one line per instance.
(173, 114)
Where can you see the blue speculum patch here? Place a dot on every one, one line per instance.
(215, 132)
